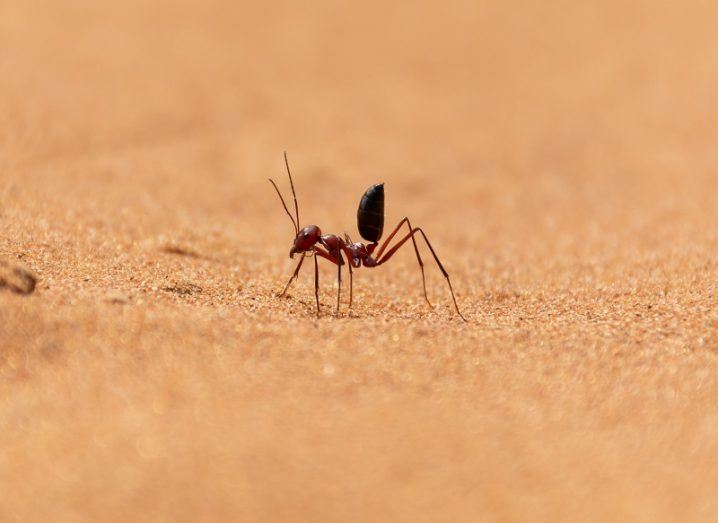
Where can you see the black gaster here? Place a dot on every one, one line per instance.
(370, 216)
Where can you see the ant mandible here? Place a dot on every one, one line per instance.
(310, 241)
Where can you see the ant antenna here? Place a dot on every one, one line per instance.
(296, 227)
(291, 182)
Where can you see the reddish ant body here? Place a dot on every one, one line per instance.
(310, 241)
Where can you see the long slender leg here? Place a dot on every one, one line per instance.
(396, 247)
(316, 283)
(294, 277)
(339, 282)
(348, 254)
(351, 284)
(416, 250)
(336, 258)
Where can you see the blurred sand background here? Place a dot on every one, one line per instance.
(561, 157)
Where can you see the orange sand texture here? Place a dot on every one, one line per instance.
(560, 155)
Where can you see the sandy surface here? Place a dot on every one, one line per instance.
(562, 160)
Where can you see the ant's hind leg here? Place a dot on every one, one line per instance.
(443, 271)
(396, 247)
(421, 265)
(294, 277)
(416, 251)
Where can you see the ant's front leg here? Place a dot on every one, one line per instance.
(336, 258)
(334, 247)
(339, 283)
(316, 282)
(294, 277)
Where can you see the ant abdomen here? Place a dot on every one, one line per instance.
(370, 216)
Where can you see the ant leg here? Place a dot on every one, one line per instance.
(334, 258)
(416, 250)
(396, 247)
(348, 254)
(316, 283)
(294, 277)
(339, 282)
(351, 284)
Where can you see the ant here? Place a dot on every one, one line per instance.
(310, 242)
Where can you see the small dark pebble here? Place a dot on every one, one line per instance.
(16, 278)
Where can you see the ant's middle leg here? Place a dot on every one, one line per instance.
(351, 284)
(416, 250)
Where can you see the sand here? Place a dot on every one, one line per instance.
(562, 160)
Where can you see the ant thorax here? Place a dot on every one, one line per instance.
(361, 254)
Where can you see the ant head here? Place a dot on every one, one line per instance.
(305, 240)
